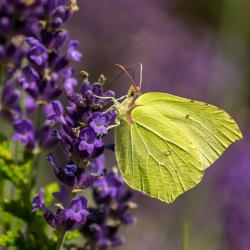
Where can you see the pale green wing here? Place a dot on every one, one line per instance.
(155, 157)
(210, 128)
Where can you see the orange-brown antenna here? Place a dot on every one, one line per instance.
(126, 72)
(141, 67)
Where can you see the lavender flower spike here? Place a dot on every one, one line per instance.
(99, 122)
(72, 176)
(64, 219)
(54, 112)
(38, 201)
(88, 141)
(73, 53)
(77, 211)
(25, 132)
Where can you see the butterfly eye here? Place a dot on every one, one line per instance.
(132, 93)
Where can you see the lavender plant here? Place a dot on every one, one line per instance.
(35, 67)
(162, 154)
(35, 53)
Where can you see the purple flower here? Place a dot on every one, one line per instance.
(86, 86)
(63, 196)
(99, 122)
(37, 52)
(75, 101)
(65, 218)
(38, 201)
(52, 219)
(105, 236)
(84, 122)
(51, 89)
(29, 81)
(67, 72)
(72, 176)
(54, 112)
(26, 36)
(77, 211)
(59, 15)
(74, 216)
(104, 190)
(25, 132)
(73, 53)
(98, 164)
(113, 210)
(5, 24)
(59, 38)
(10, 100)
(32, 41)
(46, 137)
(89, 141)
(109, 187)
(69, 84)
(70, 169)
(30, 104)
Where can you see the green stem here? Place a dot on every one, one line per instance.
(34, 169)
(186, 236)
(2, 188)
(60, 241)
(39, 117)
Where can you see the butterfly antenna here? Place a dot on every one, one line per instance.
(141, 68)
(114, 79)
(126, 72)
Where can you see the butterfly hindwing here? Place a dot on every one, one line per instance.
(155, 157)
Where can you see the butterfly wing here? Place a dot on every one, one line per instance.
(210, 128)
(156, 157)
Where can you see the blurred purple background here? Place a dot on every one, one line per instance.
(195, 49)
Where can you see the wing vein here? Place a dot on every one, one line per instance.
(160, 136)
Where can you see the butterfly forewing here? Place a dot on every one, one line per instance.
(166, 142)
(210, 129)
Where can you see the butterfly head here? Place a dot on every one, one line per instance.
(134, 90)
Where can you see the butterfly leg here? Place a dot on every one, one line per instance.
(122, 97)
(117, 123)
(113, 126)
(115, 101)
(111, 98)
(109, 109)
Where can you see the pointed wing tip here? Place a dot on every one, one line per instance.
(240, 135)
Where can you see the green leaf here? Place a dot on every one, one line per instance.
(12, 169)
(8, 239)
(4, 149)
(30, 241)
(72, 235)
(17, 208)
(164, 142)
(17, 150)
(18, 174)
(49, 190)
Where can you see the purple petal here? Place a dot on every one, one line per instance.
(38, 201)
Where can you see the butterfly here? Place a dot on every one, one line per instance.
(164, 143)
